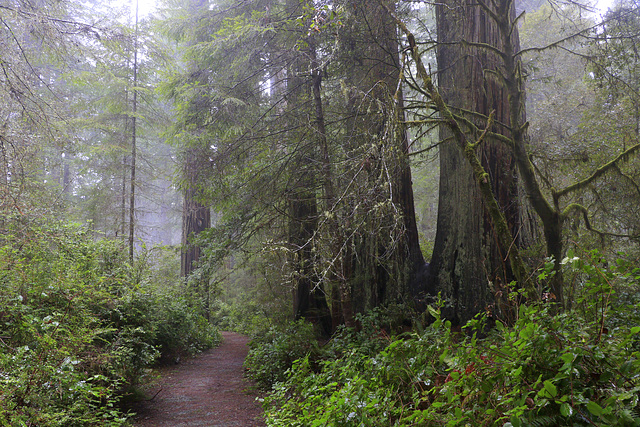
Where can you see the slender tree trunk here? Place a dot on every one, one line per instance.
(309, 291)
(123, 199)
(339, 293)
(132, 185)
(122, 229)
(403, 197)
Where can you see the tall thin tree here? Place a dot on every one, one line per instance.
(196, 216)
(132, 185)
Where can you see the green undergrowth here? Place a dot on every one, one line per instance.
(274, 350)
(578, 368)
(80, 327)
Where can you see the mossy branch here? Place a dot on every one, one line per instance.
(624, 156)
(577, 207)
(484, 46)
(484, 132)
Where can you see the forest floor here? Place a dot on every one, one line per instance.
(207, 390)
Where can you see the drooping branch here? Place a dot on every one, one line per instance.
(628, 178)
(587, 223)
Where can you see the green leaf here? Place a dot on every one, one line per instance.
(567, 357)
(566, 410)
(459, 416)
(594, 408)
(549, 390)
(433, 312)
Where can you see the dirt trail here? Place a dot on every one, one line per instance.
(208, 390)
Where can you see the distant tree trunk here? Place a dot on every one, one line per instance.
(196, 217)
(66, 176)
(467, 256)
(132, 185)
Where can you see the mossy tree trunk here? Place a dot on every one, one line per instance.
(380, 268)
(468, 255)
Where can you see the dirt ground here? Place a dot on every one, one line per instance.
(208, 390)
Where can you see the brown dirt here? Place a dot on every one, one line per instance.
(208, 390)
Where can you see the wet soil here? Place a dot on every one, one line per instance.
(208, 390)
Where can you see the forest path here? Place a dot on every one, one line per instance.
(208, 390)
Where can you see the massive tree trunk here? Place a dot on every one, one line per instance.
(378, 119)
(468, 265)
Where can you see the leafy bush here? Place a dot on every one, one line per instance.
(78, 328)
(243, 314)
(272, 352)
(275, 350)
(546, 369)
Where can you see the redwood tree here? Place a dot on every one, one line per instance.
(196, 217)
(469, 265)
(382, 265)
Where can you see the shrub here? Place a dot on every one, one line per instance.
(78, 328)
(545, 369)
(273, 352)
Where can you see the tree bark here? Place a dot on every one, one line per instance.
(468, 258)
(377, 108)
